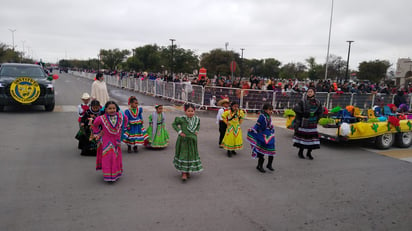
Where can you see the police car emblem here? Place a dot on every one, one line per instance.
(25, 90)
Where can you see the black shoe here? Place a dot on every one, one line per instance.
(270, 168)
(229, 153)
(234, 153)
(260, 169)
(300, 154)
(129, 149)
(135, 149)
(309, 155)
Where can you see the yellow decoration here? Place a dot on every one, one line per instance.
(25, 90)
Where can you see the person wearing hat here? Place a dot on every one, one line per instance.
(224, 104)
(308, 112)
(84, 106)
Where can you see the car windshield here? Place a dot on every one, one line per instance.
(22, 71)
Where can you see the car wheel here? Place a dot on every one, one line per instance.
(1, 108)
(49, 107)
(403, 139)
(384, 141)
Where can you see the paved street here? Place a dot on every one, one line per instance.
(47, 185)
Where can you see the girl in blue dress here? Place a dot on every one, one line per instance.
(262, 138)
(135, 133)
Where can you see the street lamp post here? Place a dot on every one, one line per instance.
(12, 35)
(327, 53)
(172, 61)
(98, 62)
(347, 61)
(241, 66)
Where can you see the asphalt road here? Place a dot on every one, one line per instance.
(47, 185)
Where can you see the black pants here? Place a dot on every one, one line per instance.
(222, 130)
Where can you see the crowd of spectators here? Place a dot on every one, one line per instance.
(279, 85)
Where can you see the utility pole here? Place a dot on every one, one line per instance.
(22, 54)
(241, 66)
(226, 44)
(327, 53)
(172, 59)
(347, 61)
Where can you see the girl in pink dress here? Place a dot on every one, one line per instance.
(108, 128)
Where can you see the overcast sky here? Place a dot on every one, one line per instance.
(287, 30)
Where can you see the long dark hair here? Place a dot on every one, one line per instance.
(99, 75)
(267, 106)
(189, 105)
(111, 102)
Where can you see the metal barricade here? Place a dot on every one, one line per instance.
(248, 99)
(382, 99)
(178, 91)
(254, 99)
(196, 96)
(336, 99)
(280, 100)
(169, 90)
(144, 85)
(220, 93)
(362, 101)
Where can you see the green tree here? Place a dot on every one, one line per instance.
(271, 67)
(315, 71)
(112, 58)
(65, 63)
(217, 62)
(8, 55)
(185, 61)
(374, 71)
(336, 67)
(293, 71)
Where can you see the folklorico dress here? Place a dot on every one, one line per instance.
(81, 109)
(187, 158)
(109, 152)
(135, 133)
(308, 112)
(158, 137)
(87, 146)
(233, 137)
(262, 136)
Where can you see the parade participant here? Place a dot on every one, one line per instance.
(99, 89)
(158, 137)
(308, 112)
(86, 143)
(232, 140)
(187, 158)
(224, 103)
(84, 106)
(107, 128)
(135, 133)
(262, 138)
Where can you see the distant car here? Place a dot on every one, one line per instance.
(26, 84)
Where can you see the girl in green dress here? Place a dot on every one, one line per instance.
(187, 158)
(158, 135)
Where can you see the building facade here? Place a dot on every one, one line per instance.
(403, 73)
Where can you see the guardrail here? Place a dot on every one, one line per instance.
(248, 99)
